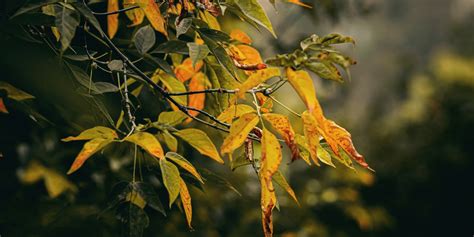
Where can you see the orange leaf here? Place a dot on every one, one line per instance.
(267, 202)
(282, 125)
(298, 2)
(271, 156)
(238, 132)
(112, 19)
(252, 56)
(256, 79)
(153, 14)
(197, 83)
(148, 142)
(186, 201)
(87, 151)
(185, 70)
(311, 134)
(241, 36)
(135, 15)
(3, 109)
(303, 84)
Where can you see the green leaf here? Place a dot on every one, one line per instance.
(144, 39)
(32, 5)
(253, 10)
(89, 16)
(217, 50)
(325, 70)
(171, 46)
(66, 21)
(170, 141)
(197, 52)
(211, 177)
(171, 118)
(170, 174)
(105, 87)
(133, 218)
(14, 93)
(185, 164)
(201, 142)
(183, 26)
(281, 181)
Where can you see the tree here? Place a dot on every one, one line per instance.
(179, 77)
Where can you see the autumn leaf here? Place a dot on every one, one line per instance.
(282, 125)
(312, 137)
(267, 202)
(234, 111)
(252, 56)
(95, 132)
(15, 93)
(271, 155)
(241, 36)
(186, 70)
(89, 149)
(171, 118)
(173, 85)
(303, 148)
(171, 179)
(153, 14)
(135, 15)
(186, 201)
(112, 19)
(281, 181)
(256, 79)
(303, 84)
(210, 20)
(170, 141)
(3, 109)
(298, 2)
(185, 164)
(197, 83)
(238, 132)
(200, 141)
(148, 142)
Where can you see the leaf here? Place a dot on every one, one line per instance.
(303, 148)
(172, 84)
(235, 111)
(211, 177)
(271, 156)
(213, 38)
(186, 70)
(282, 125)
(197, 83)
(241, 36)
(197, 52)
(200, 141)
(325, 70)
(148, 193)
(185, 164)
(153, 14)
(281, 181)
(112, 19)
(133, 218)
(144, 39)
(172, 118)
(15, 93)
(136, 199)
(298, 2)
(92, 133)
(252, 56)
(183, 26)
(66, 22)
(256, 79)
(186, 201)
(90, 148)
(148, 142)
(115, 65)
(171, 179)
(170, 141)
(172, 46)
(253, 10)
(3, 109)
(335, 39)
(105, 87)
(135, 15)
(312, 139)
(32, 5)
(239, 131)
(210, 20)
(267, 202)
(303, 84)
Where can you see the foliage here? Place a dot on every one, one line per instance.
(176, 57)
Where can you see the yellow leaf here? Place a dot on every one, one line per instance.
(33, 173)
(281, 181)
(303, 148)
(186, 71)
(200, 141)
(186, 201)
(256, 79)
(303, 84)
(266, 104)
(171, 118)
(91, 133)
(170, 174)
(3, 109)
(241, 36)
(238, 132)
(170, 140)
(197, 83)
(135, 15)
(252, 56)
(210, 20)
(49, 10)
(56, 184)
(89, 148)
(148, 142)
(234, 111)
(311, 134)
(298, 2)
(267, 202)
(112, 19)
(172, 84)
(185, 164)
(271, 156)
(135, 198)
(14, 93)
(153, 14)
(282, 125)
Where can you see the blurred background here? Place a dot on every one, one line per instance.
(409, 107)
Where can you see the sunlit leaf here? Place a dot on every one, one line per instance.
(95, 132)
(170, 141)
(253, 10)
(89, 148)
(303, 148)
(298, 2)
(281, 181)
(197, 83)
(112, 19)
(171, 118)
(241, 36)
(186, 70)
(271, 156)
(238, 132)
(282, 125)
(148, 142)
(210, 20)
(235, 111)
(186, 201)
(185, 164)
(303, 84)
(172, 84)
(267, 202)
(200, 141)
(256, 79)
(311, 134)
(171, 179)
(135, 15)
(3, 109)
(153, 14)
